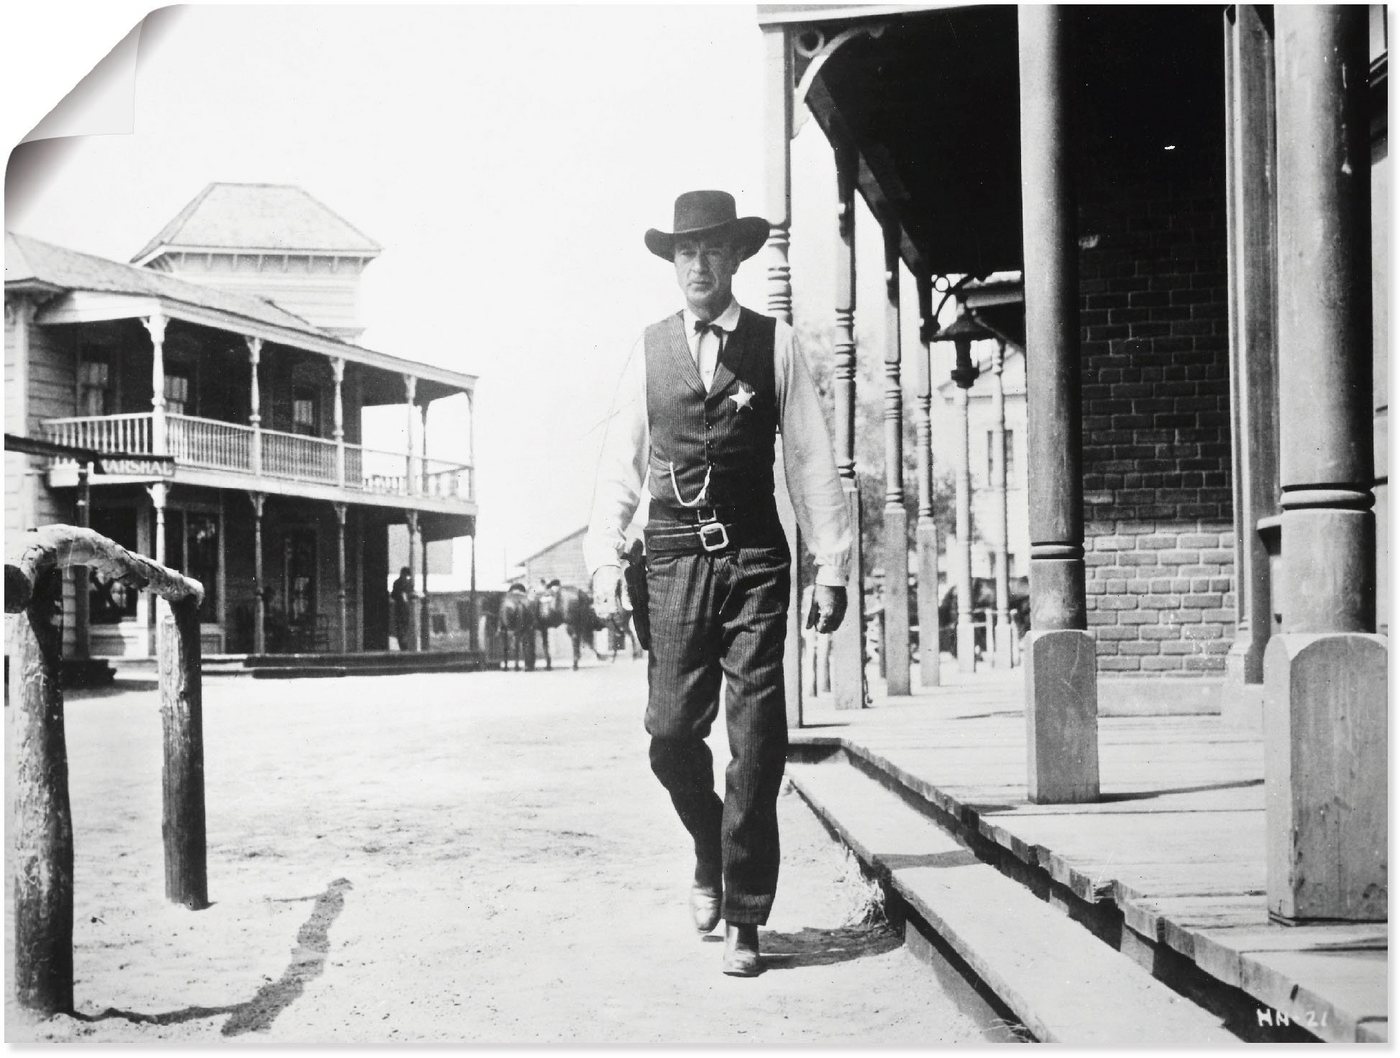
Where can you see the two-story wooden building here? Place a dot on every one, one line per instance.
(221, 372)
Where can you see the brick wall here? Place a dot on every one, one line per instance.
(1157, 494)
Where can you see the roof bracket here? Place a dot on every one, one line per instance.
(812, 48)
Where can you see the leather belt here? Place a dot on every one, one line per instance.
(711, 537)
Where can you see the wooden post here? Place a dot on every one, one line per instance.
(259, 583)
(338, 431)
(1252, 261)
(964, 375)
(896, 518)
(999, 635)
(1325, 727)
(182, 720)
(425, 630)
(1061, 676)
(410, 387)
(471, 632)
(340, 585)
(82, 602)
(777, 134)
(927, 529)
(414, 616)
(158, 493)
(42, 825)
(847, 656)
(255, 404)
(155, 327)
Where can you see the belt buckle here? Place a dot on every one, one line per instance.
(714, 536)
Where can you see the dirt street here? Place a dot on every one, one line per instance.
(479, 858)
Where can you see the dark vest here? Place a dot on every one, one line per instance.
(694, 432)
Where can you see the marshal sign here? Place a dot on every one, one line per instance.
(139, 466)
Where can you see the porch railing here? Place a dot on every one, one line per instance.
(210, 443)
(286, 455)
(375, 470)
(219, 445)
(130, 434)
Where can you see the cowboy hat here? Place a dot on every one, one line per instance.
(709, 213)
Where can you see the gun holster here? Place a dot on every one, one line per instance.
(634, 575)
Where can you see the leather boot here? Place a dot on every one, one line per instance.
(704, 907)
(741, 949)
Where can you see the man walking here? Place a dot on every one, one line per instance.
(701, 399)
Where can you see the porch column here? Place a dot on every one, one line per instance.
(410, 387)
(1061, 672)
(471, 461)
(471, 631)
(158, 491)
(340, 583)
(847, 657)
(260, 594)
(896, 520)
(20, 312)
(1325, 676)
(964, 374)
(1001, 642)
(926, 531)
(338, 432)
(425, 621)
(82, 603)
(155, 327)
(255, 404)
(414, 616)
(423, 448)
(1252, 260)
(425, 624)
(777, 136)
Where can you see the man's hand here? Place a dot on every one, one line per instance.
(607, 588)
(828, 607)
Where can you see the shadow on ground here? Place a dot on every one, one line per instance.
(822, 947)
(258, 1014)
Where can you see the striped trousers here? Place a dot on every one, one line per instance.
(722, 614)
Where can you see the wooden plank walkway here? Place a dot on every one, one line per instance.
(1177, 839)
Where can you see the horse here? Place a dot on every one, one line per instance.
(572, 608)
(516, 624)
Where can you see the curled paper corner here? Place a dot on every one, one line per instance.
(103, 103)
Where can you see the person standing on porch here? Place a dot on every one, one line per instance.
(701, 399)
(400, 598)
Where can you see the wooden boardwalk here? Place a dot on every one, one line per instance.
(1176, 841)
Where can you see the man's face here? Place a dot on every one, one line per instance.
(705, 270)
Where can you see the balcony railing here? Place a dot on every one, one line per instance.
(130, 434)
(287, 455)
(208, 443)
(214, 445)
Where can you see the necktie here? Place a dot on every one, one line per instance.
(706, 354)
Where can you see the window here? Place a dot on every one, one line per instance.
(94, 387)
(464, 614)
(177, 392)
(305, 413)
(439, 623)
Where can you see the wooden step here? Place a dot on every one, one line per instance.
(1065, 985)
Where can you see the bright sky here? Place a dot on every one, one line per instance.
(507, 158)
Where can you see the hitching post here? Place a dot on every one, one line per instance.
(43, 830)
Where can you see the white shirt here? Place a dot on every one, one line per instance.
(808, 463)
